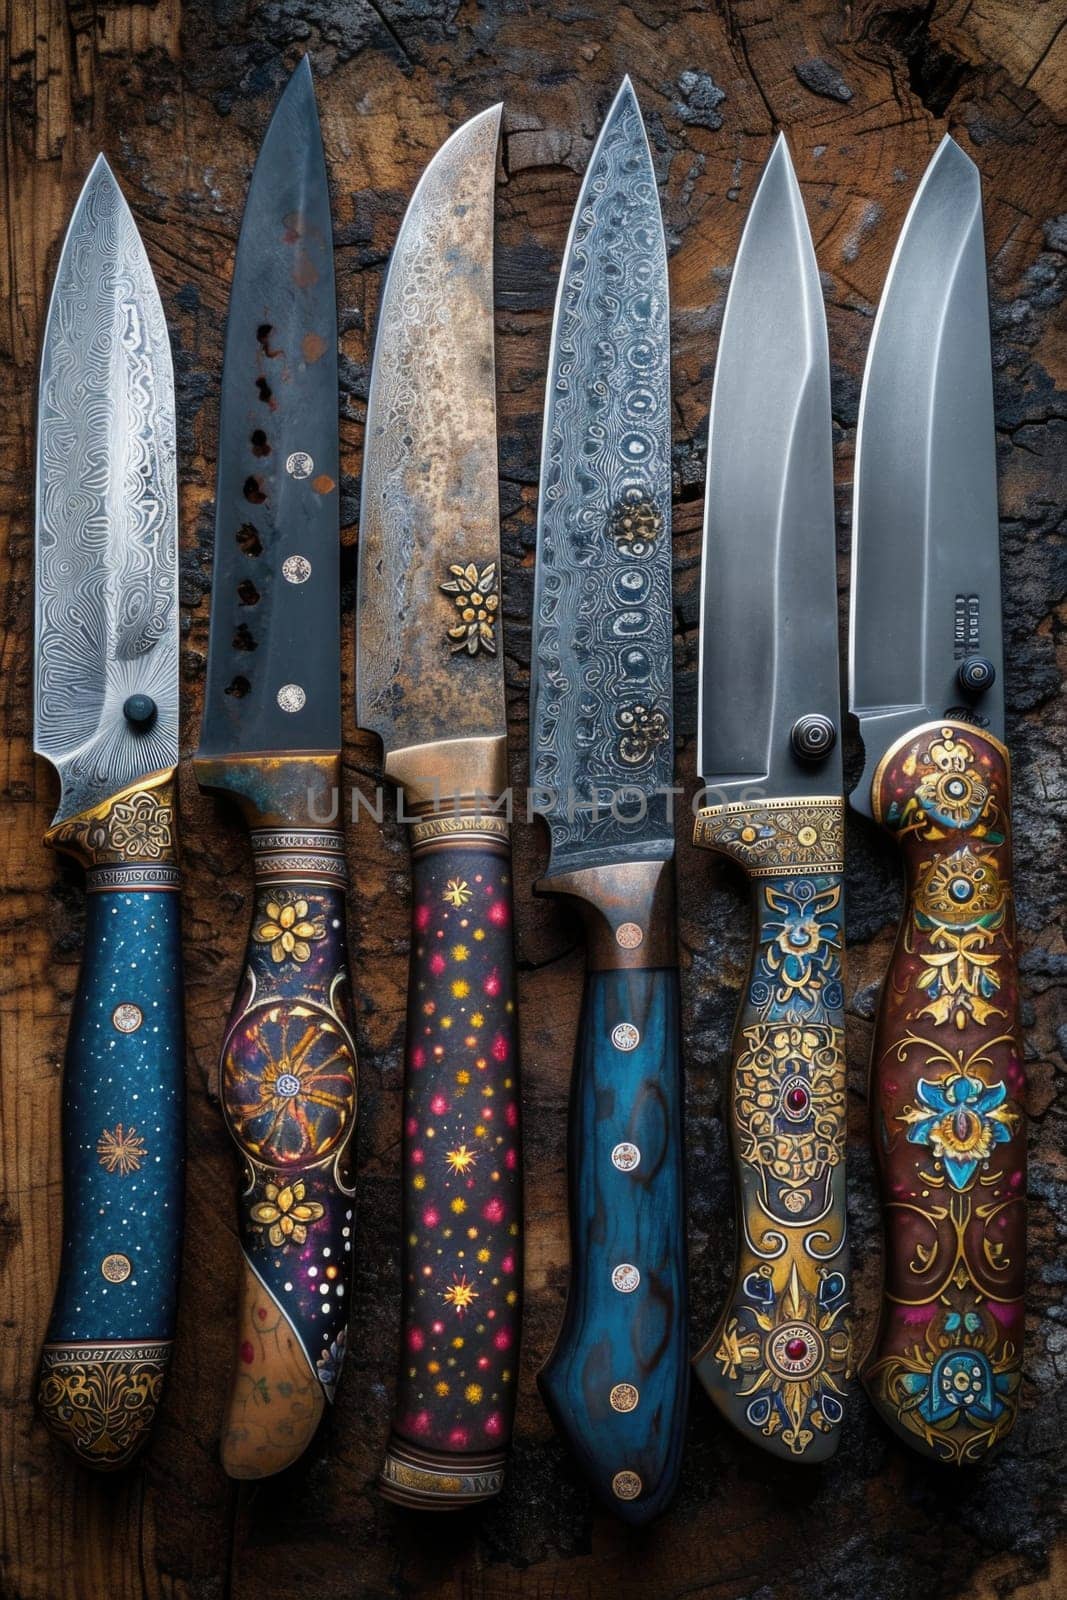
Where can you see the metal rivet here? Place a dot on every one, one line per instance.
(287, 1084)
(140, 711)
(628, 935)
(296, 569)
(127, 1017)
(116, 1268)
(299, 464)
(812, 737)
(625, 1156)
(626, 1486)
(291, 697)
(624, 1397)
(625, 1277)
(976, 674)
(624, 1036)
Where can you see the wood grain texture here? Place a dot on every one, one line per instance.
(178, 95)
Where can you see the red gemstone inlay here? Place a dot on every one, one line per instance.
(796, 1349)
(797, 1099)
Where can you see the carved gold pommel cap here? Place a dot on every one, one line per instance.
(777, 837)
(132, 829)
(100, 1399)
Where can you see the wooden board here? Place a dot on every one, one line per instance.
(178, 97)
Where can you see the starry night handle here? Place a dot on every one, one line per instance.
(617, 1381)
(123, 1133)
(288, 1086)
(462, 1173)
(946, 1090)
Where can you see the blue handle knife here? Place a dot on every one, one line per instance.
(602, 768)
(106, 717)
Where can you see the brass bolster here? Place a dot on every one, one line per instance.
(628, 911)
(452, 791)
(128, 840)
(773, 838)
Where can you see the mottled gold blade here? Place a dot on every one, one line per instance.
(428, 649)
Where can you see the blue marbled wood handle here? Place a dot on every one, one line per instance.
(617, 1381)
(779, 1362)
(109, 1336)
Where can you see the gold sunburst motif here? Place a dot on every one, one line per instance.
(457, 892)
(121, 1150)
(460, 1294)
(461, 1160)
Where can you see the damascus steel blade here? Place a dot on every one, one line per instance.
(768, 620)
(601, 715)
(107, 510)
(429, 540)
(274, 666)
(925, 546)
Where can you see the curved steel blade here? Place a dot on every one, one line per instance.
(429, 515)
(107, 510)
(274, 664)
(925, 545)
(601, 715)
(768, 613)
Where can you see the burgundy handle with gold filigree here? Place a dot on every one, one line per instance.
(946, 1082)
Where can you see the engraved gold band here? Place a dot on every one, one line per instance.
(774, 838)
(410, 1478)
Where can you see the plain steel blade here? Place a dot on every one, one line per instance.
(601, 718)
(429, 496)
(274, 667)
(107, 510)
(768, 622)
(925, 548)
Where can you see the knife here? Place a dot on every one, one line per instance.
(270, 739)
(430, 684)
(927, 687)
(778, 1361)
(602, 746)
(106, 717)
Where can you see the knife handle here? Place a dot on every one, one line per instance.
(462, 1173)
(109, 1336)
(946, 1086)
(617, 1381)
(779, 1360)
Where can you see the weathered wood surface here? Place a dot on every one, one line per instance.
(178, 96)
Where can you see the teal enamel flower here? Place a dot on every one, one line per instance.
(960, 1119)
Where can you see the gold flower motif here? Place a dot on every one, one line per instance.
(477, 602)
(288, 929)
(121, 1150)
(636, 524)
(286, 1213)
(775, 1055)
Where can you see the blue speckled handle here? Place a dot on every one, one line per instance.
(617, 1381)
(112, 1322)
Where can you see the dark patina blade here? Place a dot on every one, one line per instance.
(107, 510)
(429, 657)
(273, 680)
(601, 695)
(768, 623)
(925, 547)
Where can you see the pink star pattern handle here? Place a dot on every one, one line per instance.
(462, 1173)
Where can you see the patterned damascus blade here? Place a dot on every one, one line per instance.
(925, 636)
(778, 1362)
(271, 739)
(947, 1076)
(602, 756)
(107, 718)
(107, 511)
(274, 670)
(601, 712)
(430, 679)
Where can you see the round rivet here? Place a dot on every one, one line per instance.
(624, 1036)
(296, 569)
(976, 675)
(625, 1277)
(139, 710)
(299, 464)
(812, 737)
(287, 1084)
(291, 697)
(625, 1156)
(628, 935)
(127, 1017)
(626, 1486)
(116, 1268)
(807, 836)
(624, 1397)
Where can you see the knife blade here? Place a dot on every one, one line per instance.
(106, 717)
(602, 745)
(778, 1361)
(430, 683)
(270, 739)
(926, 685)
